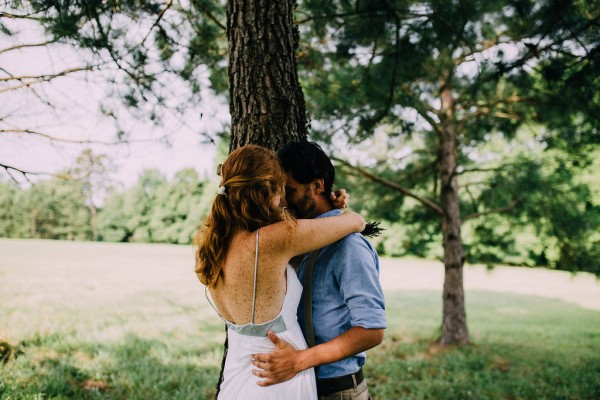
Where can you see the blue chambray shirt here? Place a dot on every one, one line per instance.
(346, 293)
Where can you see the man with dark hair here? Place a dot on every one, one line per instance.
(342, 311)
(304, 163)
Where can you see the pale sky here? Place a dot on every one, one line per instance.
(77, 98)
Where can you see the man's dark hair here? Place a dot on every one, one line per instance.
(307, 161)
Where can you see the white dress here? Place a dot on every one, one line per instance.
(245, 340)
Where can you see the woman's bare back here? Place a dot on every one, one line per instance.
(234, 290)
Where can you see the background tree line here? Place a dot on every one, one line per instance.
(154, 210)
(562, 232)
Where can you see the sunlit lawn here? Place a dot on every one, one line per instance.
(119, 321)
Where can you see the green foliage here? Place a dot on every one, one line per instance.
(53, 209)
(521, 80)
(547, 201)
(9, 215)
(155, 210)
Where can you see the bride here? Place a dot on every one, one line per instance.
(242, 257)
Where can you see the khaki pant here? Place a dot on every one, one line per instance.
(360, 392)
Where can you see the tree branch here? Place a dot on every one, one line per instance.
(510, 100)
(487, 111)
(423, 108)
(23, 46)
(491, 211)
(329, 17)
(10, 168)
(359, 13)
(82, 141)
(423, 170)
(485, 45)
(475, 183)
(393, 185)
(534, 50)
(373, 54)
(160, 15)
(214, 19)
(488, 108)
(112, 54)
(389, 103)
(206, 12)
(40, 78)
(47, 77)
(35, 93)
(19, 16)
(466, 171)
(423, 112)
(57, 139)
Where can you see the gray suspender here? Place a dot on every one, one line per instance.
(307, 291)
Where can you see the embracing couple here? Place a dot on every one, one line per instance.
(331, 299)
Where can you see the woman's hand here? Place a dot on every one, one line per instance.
(340, 198)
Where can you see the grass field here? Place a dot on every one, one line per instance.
(127, 321)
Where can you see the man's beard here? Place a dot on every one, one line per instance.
(305, 208)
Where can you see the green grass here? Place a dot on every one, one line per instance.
(523, 347)
(112, 321)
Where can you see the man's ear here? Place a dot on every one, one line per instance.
(319, 185)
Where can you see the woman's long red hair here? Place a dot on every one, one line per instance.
(252, 177)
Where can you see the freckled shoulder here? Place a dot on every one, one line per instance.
(275, 239)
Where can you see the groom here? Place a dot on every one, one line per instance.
(348, 311)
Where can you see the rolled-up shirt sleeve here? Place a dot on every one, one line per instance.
(357, 272)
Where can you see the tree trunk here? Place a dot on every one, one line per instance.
(265, 99)
(454, 324)
(33, 225)
(93, 220)
(266, 102)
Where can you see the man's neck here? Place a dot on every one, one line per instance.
(323, 206)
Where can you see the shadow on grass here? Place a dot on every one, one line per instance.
(136, 368)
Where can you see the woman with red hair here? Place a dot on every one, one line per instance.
(242, 258)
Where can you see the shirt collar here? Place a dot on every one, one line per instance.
(331, 213)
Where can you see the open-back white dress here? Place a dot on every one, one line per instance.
(245, 340)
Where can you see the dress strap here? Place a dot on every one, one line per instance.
(212, 304)
(255, 273)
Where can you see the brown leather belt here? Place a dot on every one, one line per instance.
(325, 387)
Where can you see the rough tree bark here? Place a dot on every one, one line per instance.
(454, 322)
(265, 99)
(266, 102)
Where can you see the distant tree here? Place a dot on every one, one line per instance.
(92, 173)
(155, 209)
(141, 202)
(176, 213)
(10, 212)
(450, 75)
(50, 209)
(113, 223)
